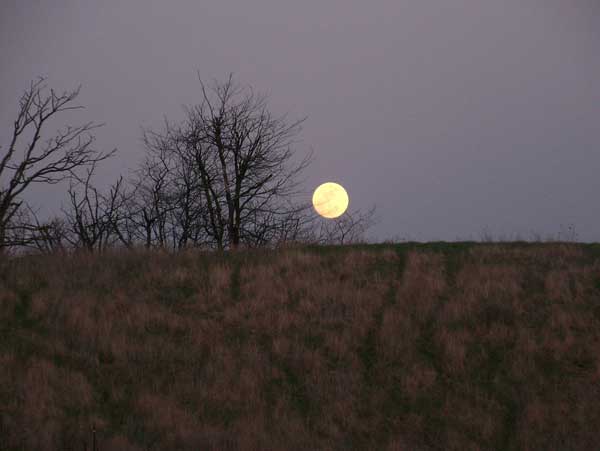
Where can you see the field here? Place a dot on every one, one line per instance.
(449, 346)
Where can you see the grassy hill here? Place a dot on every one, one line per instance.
(458, 346)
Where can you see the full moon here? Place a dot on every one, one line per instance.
(330, 200)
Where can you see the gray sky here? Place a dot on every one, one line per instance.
(449, 115)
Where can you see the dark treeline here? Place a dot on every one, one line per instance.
(226, 176)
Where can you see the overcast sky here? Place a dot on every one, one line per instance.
(451, 116)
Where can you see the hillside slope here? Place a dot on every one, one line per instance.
(457, 346)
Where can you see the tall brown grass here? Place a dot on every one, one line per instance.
(385, 347)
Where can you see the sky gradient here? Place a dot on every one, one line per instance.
(452, 116)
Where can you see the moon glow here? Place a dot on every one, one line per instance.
(330, 200)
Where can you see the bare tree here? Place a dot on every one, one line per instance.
(148, 209)
(32, 161)
(242, 160)
(161, 208)
(348, 228)
(27, 231)
(94, 219)
(184, 206)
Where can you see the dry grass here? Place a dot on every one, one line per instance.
(460, 347)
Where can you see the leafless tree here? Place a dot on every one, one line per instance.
(149, 208)
(29, 160)
(181, 201)
(94, 219)
(162, 210)
(348, 228)
(50, 236)
(242, 162)
(27, 231)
